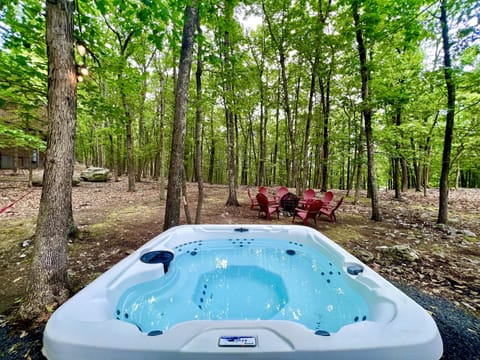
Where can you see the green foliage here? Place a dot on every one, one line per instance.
(23, 57)
(23, 74)
(132, 43)
(11, 137)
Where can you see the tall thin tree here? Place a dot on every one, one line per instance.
(48, 281)
(447, 143)
(229, 6)
(175, 173)
(367, 112)
(280, 43)
(199, 126)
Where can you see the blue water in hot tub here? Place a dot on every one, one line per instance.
(245, 279)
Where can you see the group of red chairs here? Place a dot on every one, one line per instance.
(264, 204)
(309, 207)
(314, 207)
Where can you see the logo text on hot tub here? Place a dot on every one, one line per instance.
(237, 341)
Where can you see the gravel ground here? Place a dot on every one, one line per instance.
(16, 344)
(460, 331)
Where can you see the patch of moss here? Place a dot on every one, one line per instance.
(16, 231)
(124, 215)
(434, 249)
(346, 232)
(474, 240)
(361, 199)
(423, 207)
(468, 216)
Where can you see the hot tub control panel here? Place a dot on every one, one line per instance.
(236, 341)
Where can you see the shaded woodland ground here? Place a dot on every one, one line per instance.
(436, 265)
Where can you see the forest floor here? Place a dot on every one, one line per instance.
(439, 268)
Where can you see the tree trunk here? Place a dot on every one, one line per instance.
(186, 209)
(129, 148)
(359, 162)
(290, 125)
(237, 147)
(199, 129)
(211, 165)
(416, 167)
(308, 124)
(396, 160)
(48, 280)
(262, 146)
(246, 159)
(251, 176)
(325, 95)
(118, 157)
(161, 165)
(277, 136)
(457, 177)
(112, 157)
(367, 114)
(426, 171)
(229, 115)
(128, 137)
(351, 162)
(141, 134)
(405, 174)
(427, 150)
(232, 174)
(175, 174)
(447, 143)
(15, 161)
(280, 47)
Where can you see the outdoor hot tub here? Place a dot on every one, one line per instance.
(237, 292)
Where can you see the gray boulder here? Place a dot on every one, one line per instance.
(469, 233)
(364, 255)
(95, 174)
(403, 252)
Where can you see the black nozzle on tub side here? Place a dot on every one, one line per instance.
(164, 257)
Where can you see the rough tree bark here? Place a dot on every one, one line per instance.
(129, 145)
(306, 143)
(325, 96)
(48, 281)
(161, 145)
(199, 129)
(142, 157)
(259, 58)
(229, 105)
(447, 143)
(416, 166)
(358, 162)
(186, 209)
(367, 113)
(211, 163)
(175, 173)
(396, 160)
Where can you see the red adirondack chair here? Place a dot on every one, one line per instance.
(330, 212)
(266, 207)
(327, 198)
(310, 213)
(263, 190)
(253, 201)
(308, 197)
(280, 192)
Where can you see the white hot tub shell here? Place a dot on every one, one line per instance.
(86, 327)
